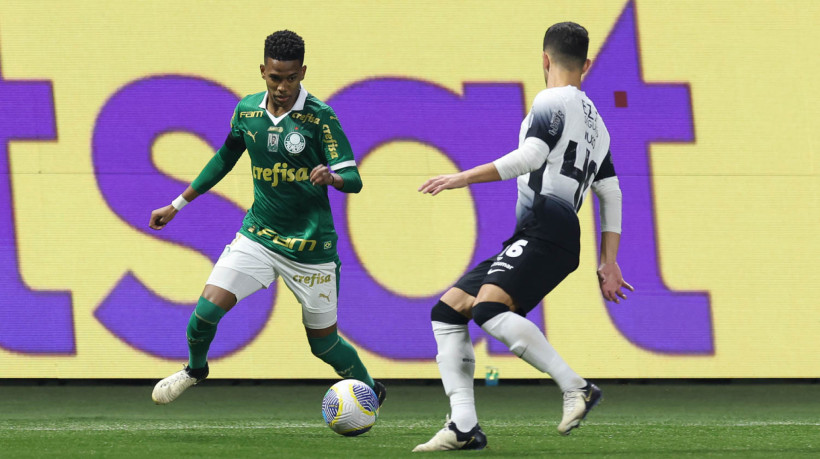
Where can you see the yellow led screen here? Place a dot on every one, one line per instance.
(109, 110)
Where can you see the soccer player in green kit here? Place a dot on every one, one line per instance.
(297, 150)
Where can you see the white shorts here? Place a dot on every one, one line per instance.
(247, 266)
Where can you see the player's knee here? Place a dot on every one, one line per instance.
(203, 320)
(461, 301)
(442, 312)
(219, 296)
(486, 310)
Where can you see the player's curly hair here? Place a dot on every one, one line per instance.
(567, 42)
(285, 45)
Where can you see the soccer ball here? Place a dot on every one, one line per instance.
(350, 407)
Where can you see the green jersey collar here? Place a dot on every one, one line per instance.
(297, 106)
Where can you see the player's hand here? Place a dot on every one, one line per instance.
(438, 184)
(321, 175)
(160, 217)
(611, 281)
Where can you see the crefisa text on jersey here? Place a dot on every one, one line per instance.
(280, 171)
(330, 141)
(306, 117)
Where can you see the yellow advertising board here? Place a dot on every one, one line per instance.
(109, 109)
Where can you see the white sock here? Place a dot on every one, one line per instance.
(456, 363)
(526, 341)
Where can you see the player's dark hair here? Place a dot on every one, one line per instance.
(568, 43)
(285, 45)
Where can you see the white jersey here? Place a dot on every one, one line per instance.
(568, 122)
(563, 151)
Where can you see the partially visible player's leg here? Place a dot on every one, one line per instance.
(528, 342)
(334, 350)
(456, 364)
(327, 345)
(523, 277)
(230, 281)
(316, 287)
(492, 313)
(455, 356)
(200, 332)
(214, 303)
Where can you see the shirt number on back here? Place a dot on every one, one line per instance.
(582, 176)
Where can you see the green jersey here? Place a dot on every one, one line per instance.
(289, 215)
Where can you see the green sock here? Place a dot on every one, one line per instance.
(201, 331)
(340, 355)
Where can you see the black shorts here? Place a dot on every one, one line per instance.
(527, 269)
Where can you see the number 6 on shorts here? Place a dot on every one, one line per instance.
(514, 250)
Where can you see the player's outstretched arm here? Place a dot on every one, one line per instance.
(610, 278)
(217, 167)
(527, 158)
(162, 216)
(479, 174)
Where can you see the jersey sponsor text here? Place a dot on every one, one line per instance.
(280, 173)
(292, 243)
(313, 279)
(330, 141)
(306, 117)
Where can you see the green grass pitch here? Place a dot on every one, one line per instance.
(217, 419)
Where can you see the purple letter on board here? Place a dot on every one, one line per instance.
(471, 129)
(126, 129)
(637, 113)
(32, 322)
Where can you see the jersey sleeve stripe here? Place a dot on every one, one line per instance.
(607, 168)
(235, 144)
(342, 165)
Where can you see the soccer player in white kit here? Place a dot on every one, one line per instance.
(563, 151)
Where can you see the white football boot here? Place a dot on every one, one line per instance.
(450, 438)
(167, 390)
(577, 403)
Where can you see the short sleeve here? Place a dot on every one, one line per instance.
(607, 168)
(236, 139)
(546, 119)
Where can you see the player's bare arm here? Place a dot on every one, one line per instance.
(479, 174)
(322, 175)
(162, 216)
(610, 278)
